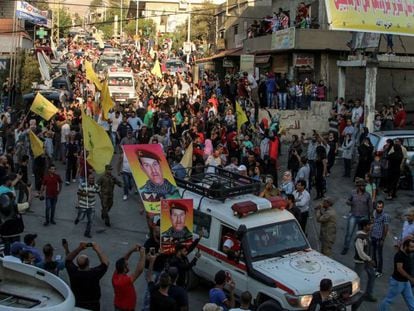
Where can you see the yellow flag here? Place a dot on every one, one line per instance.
(241, 117)
(156, 70)
(91, 75)
(36, 144)
(43, 107)
(97, 142)
(106, 100)
(187, 159)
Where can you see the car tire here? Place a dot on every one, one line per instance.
(270, 305)
(193, 280)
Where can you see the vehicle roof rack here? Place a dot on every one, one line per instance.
(216, 183)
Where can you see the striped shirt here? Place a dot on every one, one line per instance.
(380, 221)
(87, 195)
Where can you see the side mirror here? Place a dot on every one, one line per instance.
(241, 231)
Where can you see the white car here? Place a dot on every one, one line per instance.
(281, 271)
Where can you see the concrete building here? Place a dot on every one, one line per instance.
(301, 53)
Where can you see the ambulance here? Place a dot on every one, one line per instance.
(121, 83)
(275, 261)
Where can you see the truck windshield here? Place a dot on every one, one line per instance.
(120, 81)
(275, 240)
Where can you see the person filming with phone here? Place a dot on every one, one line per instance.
(84, 280)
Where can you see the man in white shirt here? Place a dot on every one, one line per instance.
(302, 201)
(64, 137)
(357, 112)
(116, 119)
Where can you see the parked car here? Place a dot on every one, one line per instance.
(378, 140)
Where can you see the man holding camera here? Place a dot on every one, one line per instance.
(84, 280)
(123, 281)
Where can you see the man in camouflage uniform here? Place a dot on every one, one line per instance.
(107, 184)
(326, 216)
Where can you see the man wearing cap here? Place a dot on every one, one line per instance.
(156, 187)
(178, 232)
(326, 216)
(107, 184)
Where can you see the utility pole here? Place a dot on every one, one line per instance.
(189, 31)
(136, 24)
(120, 28)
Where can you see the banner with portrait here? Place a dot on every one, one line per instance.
(152, 175)
(176, 224)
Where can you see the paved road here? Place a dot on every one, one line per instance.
(129, 227)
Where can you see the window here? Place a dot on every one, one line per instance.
(409, 143)
(236, 29)
(202, 223)
(221, 34)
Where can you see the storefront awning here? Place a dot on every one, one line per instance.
(262, 59)
(230, 52)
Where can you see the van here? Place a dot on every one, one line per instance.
(281, 274)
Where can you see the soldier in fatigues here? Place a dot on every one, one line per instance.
(107, 184)
(326, 216)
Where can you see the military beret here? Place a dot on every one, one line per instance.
(178, 205)
(148, 154)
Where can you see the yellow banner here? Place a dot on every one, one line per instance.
(378, 16)
(36, 144)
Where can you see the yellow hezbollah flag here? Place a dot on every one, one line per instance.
(91, 75)
(42, 107)
(389, 17)
(187, 159)
(241, 117)
(36, 144)
(156, 70)
(106, 102)
(97, 143)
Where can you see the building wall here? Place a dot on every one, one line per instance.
(6, 8)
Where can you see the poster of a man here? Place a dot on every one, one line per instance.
(176, 223)
(152, 175)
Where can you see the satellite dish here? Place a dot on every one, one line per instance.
(43, 67)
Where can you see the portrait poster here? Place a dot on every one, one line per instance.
(176, 224)
(152, 175)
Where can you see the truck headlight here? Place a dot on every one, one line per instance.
(356, 286)
(299, 301)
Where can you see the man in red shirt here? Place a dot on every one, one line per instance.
(400, 117)
(51, 186)
(123, 282)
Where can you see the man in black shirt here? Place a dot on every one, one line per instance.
(400, 279)
(160, 300)
(84, 280)
(178, 293)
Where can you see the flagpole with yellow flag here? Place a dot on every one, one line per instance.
(97, 142)
(187, 159)
(43, 107)
(91, 75)
(156, 70)
(36, 144)
(241, 117)
(106, 102)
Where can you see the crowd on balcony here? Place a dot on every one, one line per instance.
(280, 20)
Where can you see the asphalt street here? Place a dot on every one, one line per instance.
(129, 227)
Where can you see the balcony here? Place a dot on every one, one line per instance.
(317, 39)
(298, 39)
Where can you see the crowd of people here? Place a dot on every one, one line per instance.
(174, 111)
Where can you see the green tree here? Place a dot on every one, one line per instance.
(203, 25)
(42, 5)
(78, 19)
(65, 21)
(146, 28)
(29, 72)
(95, 4)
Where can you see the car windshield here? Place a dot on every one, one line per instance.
(374, 140)
(275, 240)
(174, 64)
(107, 62)
(120, 81)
